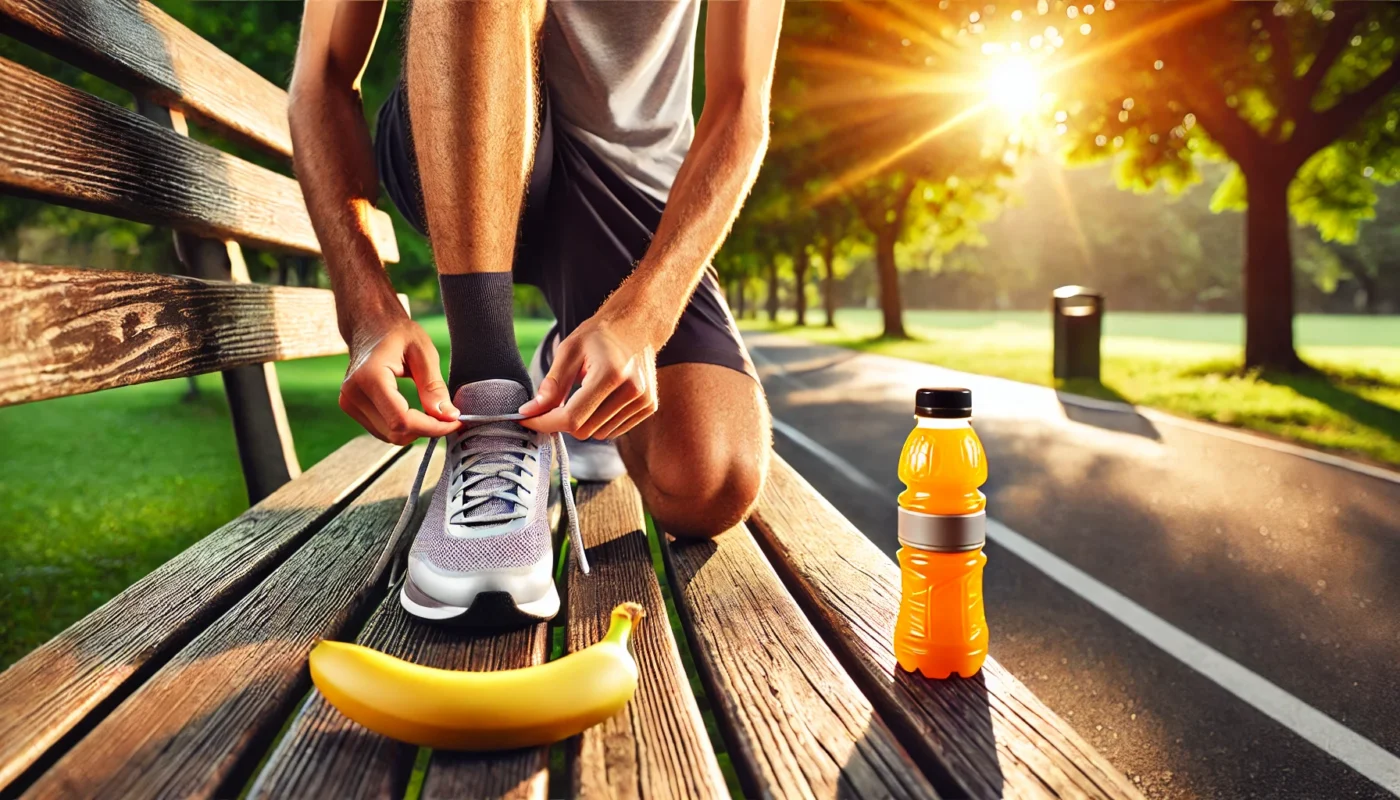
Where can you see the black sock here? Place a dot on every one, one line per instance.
(480, 309)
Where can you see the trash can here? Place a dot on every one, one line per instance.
(1077, 315)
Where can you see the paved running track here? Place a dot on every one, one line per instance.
(1276, 573)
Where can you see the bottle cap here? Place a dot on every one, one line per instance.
(945, 403)
(943, 533)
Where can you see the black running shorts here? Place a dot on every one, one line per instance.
(583, 231)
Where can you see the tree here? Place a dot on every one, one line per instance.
(876, 105)
(1299, 96)
(834, 231)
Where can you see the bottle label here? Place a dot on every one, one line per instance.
(945, 533)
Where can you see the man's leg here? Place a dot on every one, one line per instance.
(700, 461)
(470, 74)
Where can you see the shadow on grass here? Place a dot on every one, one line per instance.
(1335, 388)
(1336, 392)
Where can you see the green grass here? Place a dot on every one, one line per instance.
(1184, 363)
(97, 490)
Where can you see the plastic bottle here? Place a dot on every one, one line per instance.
(942, 628)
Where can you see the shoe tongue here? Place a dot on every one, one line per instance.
(492, 397)
(497, 396)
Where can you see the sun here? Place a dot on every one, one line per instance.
(1013, 85)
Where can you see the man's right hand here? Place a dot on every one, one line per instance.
(380, 353)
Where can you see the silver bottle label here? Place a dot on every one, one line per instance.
(943, 533)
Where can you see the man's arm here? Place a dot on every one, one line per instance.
(615, 351)
(334, 162)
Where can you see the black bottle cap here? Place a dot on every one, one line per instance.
(944, 403)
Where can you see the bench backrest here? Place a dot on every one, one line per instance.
(67, 331)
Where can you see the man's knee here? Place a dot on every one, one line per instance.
(706, 495)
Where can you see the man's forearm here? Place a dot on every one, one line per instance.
(717, 174)
(335, 165)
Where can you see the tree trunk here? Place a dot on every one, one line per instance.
(890, 304)
(773, 290)
(829, 283)
(739, 297)
(1268, 274)
(800, 264)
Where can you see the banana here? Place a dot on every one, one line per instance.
(501, 710)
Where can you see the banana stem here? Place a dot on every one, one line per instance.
(624, 618)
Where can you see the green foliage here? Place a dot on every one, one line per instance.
(1207, 81)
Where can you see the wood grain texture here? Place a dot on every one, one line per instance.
(794, 722)
(51, 691)
(67, 331)
(140, 48)
(199, 725)
(514, 775)
(657, 746)
(985, 737)
(260, 427)
(323, 754)
(66, 146)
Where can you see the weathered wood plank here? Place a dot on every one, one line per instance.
(515, 775)
(657, 746)
(137, 46)
(794, 722)
(265, 447)
(985, 737)
(66, 146)
(323, 754)
(67, 331)
(55, 689)
(198, 726)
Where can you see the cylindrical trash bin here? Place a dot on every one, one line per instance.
(1077, 315)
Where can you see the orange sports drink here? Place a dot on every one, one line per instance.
(942, 628)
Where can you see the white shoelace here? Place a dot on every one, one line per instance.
(477, 471)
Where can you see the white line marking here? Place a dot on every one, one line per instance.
(836, 462)
(1342, 743)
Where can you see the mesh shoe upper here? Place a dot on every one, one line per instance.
(490, 508)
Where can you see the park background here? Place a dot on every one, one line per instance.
(936, 169)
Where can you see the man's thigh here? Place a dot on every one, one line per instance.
(711, 426)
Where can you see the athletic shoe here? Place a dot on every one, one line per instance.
(592, 460)
(484, 555)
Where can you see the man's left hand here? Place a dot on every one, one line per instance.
(617, 367)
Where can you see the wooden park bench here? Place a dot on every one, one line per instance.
(193, 682)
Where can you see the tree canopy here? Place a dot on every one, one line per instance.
(1297, 96)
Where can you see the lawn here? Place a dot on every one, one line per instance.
(1182, 363)
(99, 489)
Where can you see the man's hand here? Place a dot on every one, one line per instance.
(617, 366)
(379, 354)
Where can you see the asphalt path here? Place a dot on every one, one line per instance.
(1239, 635)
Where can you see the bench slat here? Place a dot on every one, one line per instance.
(53, 690)
(985, 737)
(198, 726)
(517, 775)
(795, 723)
(142, 49)
(65, 146)
(657, 746)
(323, 754)
(67, 331)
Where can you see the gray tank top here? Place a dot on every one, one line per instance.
(619, 74)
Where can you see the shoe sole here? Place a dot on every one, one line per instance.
(489, 611)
